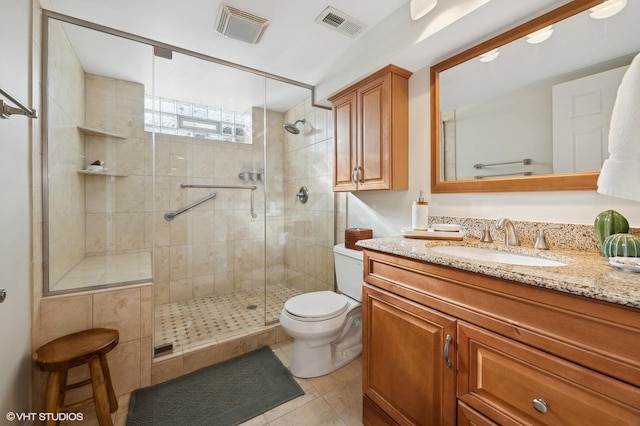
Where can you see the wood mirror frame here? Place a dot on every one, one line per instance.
(559, 182)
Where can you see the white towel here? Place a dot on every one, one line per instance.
(620, 174)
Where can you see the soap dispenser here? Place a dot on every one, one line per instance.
(420, 214)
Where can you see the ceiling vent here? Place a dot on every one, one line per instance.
(340, 22)
(240, 25)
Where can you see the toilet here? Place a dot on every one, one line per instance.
(326, 326)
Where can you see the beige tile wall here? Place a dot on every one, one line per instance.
(309, 228)
(216, 247)
(128, 310)
(116, 206)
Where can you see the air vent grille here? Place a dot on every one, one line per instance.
(341, 22)
(333, 20)
(240, 25)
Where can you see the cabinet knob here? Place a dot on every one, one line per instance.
(539, 405)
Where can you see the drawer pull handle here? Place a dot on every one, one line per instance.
(447, 342)
(540, 405)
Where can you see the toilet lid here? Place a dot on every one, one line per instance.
(316, 305)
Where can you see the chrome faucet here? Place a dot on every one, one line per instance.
(510, 234)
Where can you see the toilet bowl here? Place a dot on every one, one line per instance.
(326, 326)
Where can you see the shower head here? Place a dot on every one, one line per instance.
(291, 128)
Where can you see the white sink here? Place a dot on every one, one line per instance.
(485, 254)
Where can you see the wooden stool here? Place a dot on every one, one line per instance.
(84, 347)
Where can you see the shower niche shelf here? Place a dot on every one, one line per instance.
(89, 172)
(96, 132)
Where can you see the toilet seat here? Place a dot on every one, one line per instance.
(316, 306)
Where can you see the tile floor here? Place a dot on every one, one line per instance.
(334, 399)
(195, 321)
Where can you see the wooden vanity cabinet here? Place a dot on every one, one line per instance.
(519, 354)
(371, 132)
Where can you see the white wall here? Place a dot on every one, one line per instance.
(15, 215)
(386, 212)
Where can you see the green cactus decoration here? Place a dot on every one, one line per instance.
(607, 223)
(625, 245)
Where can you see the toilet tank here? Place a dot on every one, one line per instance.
(349, 275)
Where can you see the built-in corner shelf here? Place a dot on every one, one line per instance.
(107, 173)
(97, 132)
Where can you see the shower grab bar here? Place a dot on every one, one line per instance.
(525, 161)
(169, 216)
(251, 187)
(504, 174)
(7, 110)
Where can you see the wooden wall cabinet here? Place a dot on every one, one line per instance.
(519, 354)
(371, 132)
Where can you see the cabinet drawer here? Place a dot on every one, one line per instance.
(467, 416)
(499, 377)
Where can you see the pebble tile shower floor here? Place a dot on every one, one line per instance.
(194, 321)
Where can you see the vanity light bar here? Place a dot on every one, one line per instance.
(489, 56)
(540, 35)
(607, 9)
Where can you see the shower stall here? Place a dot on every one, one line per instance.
(165, 165)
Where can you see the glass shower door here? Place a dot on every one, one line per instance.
(208, 186)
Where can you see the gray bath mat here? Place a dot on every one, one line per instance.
(228, 393)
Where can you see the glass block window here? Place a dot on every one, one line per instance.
(174, 117)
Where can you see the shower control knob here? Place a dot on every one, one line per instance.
(3, 294)
(303, 194)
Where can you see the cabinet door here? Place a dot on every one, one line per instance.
(374, 134)
(405, 371)
(345, 150)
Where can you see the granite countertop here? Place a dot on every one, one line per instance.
(586, 273)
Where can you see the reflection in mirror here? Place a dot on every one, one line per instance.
(530, 109)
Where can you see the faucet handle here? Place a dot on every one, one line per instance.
(486, 235)
(541, 241)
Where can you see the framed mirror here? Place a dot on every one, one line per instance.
(529, 109)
